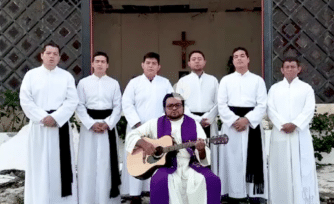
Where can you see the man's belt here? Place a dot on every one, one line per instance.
(254, 168)
(115, 177)
(206, 129)
(65, 159)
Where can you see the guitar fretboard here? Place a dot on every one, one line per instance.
(218, 140)
(179, 146)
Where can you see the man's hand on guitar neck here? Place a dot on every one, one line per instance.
(147, 147)
(200, 146)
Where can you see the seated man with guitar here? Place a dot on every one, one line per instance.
(180, 179)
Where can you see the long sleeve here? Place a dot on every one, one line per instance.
(201, 135)
(190, 114)
(117, 108)
(226, 115)
(200, 94)
(66, 110)
(255, 116)
(81, 110)
(304, 118)
(212, 114)
(147, 129)
(128, 105)
(169, 87)
(183, 89)
(33, 112)
(273, 115)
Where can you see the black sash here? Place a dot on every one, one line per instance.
(65, 159)
(206, 129)
(254, 168)
(115, 177)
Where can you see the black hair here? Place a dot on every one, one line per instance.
(152, 55)
(240, 48)
(195, 51)
(52, 44)
(98, 53)
(291, 59)
(172, 95)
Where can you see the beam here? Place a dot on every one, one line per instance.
(86, 37)
(267, 42)
(148, 2)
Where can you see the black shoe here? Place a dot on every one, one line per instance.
(237, 200)
(257, 200)
(136, 200)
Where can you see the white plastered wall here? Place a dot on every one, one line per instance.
(126, 38)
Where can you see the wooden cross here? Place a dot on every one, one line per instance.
(184, 44)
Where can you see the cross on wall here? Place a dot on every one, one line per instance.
(184, 44)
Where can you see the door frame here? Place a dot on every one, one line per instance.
(266, 16)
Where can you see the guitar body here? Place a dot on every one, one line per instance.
(144, 170)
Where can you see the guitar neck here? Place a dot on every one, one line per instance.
(181, 146)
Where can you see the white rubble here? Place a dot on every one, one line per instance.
(13, 156)
(5, 178)
(13, 152)
(326, 179)
(4, 137)
(12, 196)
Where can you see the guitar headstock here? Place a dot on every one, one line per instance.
(220, 139)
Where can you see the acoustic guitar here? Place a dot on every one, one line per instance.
(141, 168)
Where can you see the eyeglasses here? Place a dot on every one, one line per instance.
(171, 106)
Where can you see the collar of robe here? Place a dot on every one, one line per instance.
(48, 70)
(97, 78)
(146, 78)
(200, 76)
(295, 80)
(245, 74)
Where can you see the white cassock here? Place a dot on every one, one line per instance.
(43, 90)
(185, 186)
(292, 172)
(142, 101)
(238, 90)
(200, 94)
(94, 174)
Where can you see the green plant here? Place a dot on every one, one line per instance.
(12, 118)
(219, 123)
(322, 127)
(75, 122)
(19, 200)
(121, 127)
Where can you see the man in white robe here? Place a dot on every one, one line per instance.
(48, 98)
(292, 170)
(183, 184)
(200, 93)
(99, 110)
(141, 102)
(242, 99)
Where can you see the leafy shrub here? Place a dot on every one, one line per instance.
(12, 118)
(322, 127)
(121, 127)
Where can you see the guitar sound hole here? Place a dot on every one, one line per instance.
(156, 156)
(158, 152)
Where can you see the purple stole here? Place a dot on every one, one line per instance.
(159, 181)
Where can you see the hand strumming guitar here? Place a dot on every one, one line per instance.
(148, 148)
(200, 146)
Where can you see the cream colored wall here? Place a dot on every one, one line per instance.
(128, 37)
